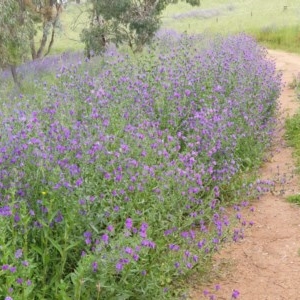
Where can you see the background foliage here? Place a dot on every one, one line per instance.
(125, 21)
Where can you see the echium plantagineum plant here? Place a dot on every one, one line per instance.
(114, 185)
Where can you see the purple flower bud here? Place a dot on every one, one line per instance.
(119, 267)
(110, 228)
(19, 280)
(25, 263)
(18, 253)
(128, 223)
(105, 238)
(17, 218)
(95, 266)
(235, 294)
(13, 269)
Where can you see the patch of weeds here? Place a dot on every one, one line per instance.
(294, 199)
(292, 126)
(285, 38)
(294, 84)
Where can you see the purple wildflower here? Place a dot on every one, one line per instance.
(25, 263)
(88, 236)
(79, 182)
(110, 228)
(17, 218)
(149, 244)
(5, 211)
(105, 238)
(18, 253)
(119, 267)
(95, 266)
(235, 294)
(174, 247)
(128, 250)
(128, 223)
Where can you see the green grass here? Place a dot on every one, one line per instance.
(283, 38)
(266, 20)
(293, 135)
(231, 16)
(294, 199)
(73, 19)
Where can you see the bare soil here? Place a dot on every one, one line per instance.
(266, 263)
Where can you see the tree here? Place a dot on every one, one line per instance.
(15, 27)
(124, 21)
(46, 12)
(18, 21)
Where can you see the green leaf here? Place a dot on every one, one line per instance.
(56, 245)
(37, 249)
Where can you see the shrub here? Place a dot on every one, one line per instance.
(113, 185)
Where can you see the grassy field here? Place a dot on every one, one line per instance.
(73, 19)
(232, 16)
(273, 23)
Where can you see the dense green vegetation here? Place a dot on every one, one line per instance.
(283, 38)
(117, 172)
(133, 23)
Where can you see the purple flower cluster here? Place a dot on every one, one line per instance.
(212, 296)
(142, 153)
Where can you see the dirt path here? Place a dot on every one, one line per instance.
(266, 263)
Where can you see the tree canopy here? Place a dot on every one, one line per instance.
(15, 27)
(18, 29)
(124, 21)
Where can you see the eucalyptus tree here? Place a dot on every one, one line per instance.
(19, 20)
(133, 22)
(15, 28)
(45, 13)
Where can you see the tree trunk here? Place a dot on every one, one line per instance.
(14, 74)
(51, 41)
(43, 44)
(32, 49)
